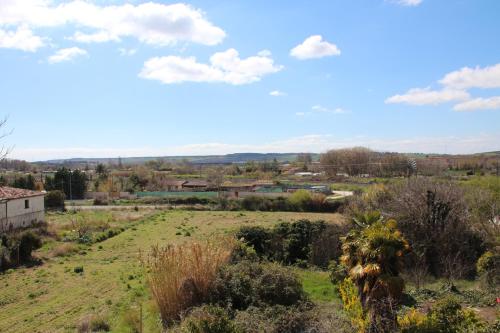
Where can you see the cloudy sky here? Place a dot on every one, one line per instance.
(107, 78)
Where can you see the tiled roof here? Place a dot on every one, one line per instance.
(17, 193)
(175, 182)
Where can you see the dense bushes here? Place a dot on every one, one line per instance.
(488, 268)
(446, 316)
(55, 200)
(300, 201)
(16, 249)
(248, 284)
(300, 242)
(434, 218)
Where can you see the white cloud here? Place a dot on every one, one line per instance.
(475, 104)
(277, 93)
(320, 108)
(21, 39)
(311, 143)
(225, 67)
(300, 114)
(465, 78)
(314, 47)
(127, 52)
(455, 89)
(425, 96)
(97, 37)
(408, 3)
(151, 23)
(67, 54)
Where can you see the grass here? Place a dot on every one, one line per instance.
(317, 285)
(53, 298)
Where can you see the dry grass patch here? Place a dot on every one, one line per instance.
(64, 249)
(180, 276)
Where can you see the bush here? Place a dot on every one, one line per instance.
(275, 319)
(293, 243)
(300, 199)
(28, 242)
(78, 269)
(488, 267)
(434, 218)
(55, 199)
(16, 249)
(100, 202)
(447, 316)
(209, 319)
(182, 276)
(256, 284)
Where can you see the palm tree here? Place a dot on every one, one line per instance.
(373, 255)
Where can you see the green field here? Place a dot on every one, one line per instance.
(51, 297)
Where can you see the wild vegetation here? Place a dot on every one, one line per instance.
(405, 253)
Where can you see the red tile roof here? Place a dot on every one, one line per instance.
(17, 193)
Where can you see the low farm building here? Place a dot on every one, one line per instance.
(20, 208)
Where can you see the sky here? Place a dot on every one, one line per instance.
(135, 78)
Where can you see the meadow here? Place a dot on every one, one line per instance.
(105, 278)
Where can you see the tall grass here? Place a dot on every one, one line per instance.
(181, 276)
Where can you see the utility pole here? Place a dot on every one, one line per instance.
(70, 190)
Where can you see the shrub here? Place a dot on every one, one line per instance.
(434, 218)
(488, 267)
(338, 272)
(209, 319)
(78, 269)
(181, 276)
(256, 237)
(256, 284)
(275, 319)
(99, 324)
(292, 243)
(100, 202)
(352, 304)
(300, 199)
(28, 242)
(55, 199)
(447, 316)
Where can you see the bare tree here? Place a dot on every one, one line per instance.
(4, 151)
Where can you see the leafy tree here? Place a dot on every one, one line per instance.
(373, 256)
(102, 171)
(72, 183)
(54, 199)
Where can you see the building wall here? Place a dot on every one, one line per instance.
(18, 216)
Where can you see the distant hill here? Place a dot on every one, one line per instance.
(208, 159)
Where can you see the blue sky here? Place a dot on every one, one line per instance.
(130, 78)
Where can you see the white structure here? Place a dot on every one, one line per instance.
(20, 208)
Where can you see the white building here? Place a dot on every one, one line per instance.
(20, 208)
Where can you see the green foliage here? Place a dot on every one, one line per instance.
(72, 183)
(16, 249)
(373, 256)
(27, 183)
(445, 316)
(300, 198)
(488, 267)
(209, 319)
(55, 199)
(276, 319)
(256, 284)
(352, 304)
(294, 243)
(338, 272)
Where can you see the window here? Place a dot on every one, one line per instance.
(26, 204)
